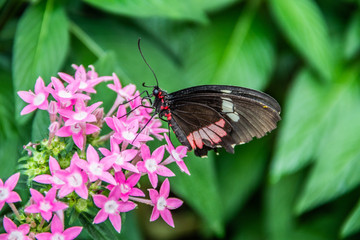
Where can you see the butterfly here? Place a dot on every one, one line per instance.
(215, 116)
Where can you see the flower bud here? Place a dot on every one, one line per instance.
(52, 109)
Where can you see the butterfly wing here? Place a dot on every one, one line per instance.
(213, 116)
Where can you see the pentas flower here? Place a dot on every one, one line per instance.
(176, 155)
(140, 107)
(37, 100)
(125, 93)
(7, 195)
(75, 180)
(45, 205)
(58, 233)
(14, 232)
(155, 128)
(163, 204)
(111, 208)
(151, 164)
(52, 179)
(121, 159)
(128, 132)
(126, 186)
(82, 113)
(94, 168)
(66, 96)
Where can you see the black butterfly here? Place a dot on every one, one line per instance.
(214, 116)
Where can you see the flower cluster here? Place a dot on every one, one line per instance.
(74, 169)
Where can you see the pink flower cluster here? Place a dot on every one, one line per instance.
(117, 170)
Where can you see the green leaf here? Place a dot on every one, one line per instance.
(300, 128)
(352, 37)
(200, 190)
(352, 224)
(98, 231)
(41, 43)
(240, 174)
(173, 9)
(40, 126)
(304, 26)
(338, 154)
(243, 56)
(216, 5)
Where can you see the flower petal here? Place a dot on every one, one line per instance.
(12, 181)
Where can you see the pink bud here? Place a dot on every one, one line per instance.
(53, 110)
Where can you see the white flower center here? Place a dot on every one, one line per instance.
(124, 188)
(96, 169)
(176, 155)
(111, 207)
(75, 180)
(57, 181)
(80, 115)
(128, 135)
(39, 99)
(64, 94)
(151, 165)
(75, 128)
(119, 159)
(57, 236)
(4, 194)
(83, 85)
(161, 203)
(45, 206)
(16, 235)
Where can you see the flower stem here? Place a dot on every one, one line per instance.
(15, 211)
(141, 200)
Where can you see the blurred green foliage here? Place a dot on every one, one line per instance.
(299, 182)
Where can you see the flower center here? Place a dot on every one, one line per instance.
(161, 203)
(39, 99)
(45, 206)
(96, 169)
(76, 128)
(176, 155)
(75, 180)
(111, 207)
(128, 135)
(124, 188)
(4, 194)
(80, 115)
(57, 236)
(64, 94)
(151, 165)
(16, 235)
(58, 181)
(119, 159)
(83, 85)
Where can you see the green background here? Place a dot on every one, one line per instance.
(299, 182)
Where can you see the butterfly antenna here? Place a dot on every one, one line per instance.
(142, 55)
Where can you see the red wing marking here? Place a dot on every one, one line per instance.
(198, 140)
(190, 138)
(206, 136)
(216, 129)
(214, 138)
(220, 123)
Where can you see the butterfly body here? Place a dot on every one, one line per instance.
(213, 116)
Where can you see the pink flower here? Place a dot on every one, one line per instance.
(111, 208)
(151, 164)
(121, 160)
(127, 186)
(125, 93)
(45, 205)
(75, 180)
(57, 231)
(52, 179)
(94, 168)
(6, 190)
(82, 113)
(77, 131)
(127, 132)
(154, 128)
(163, 204)
(176, 155)
(14, 232)
(36, 100)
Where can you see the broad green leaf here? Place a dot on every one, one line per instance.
(239, 174)
(304, 26)
(173, 9)
(338, 154)
(352, 37)
(40, 47)
(200, 190)
(300, 128)
(352, 224)
(98, 231)
(40, 126)
(216, 5)
(243, 56)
